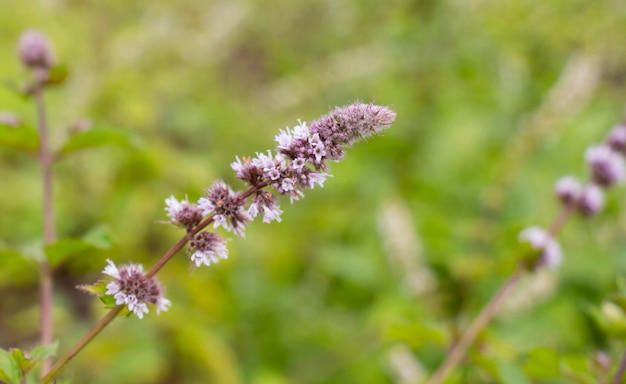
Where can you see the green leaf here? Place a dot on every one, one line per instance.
(98, 289)
(16, 268)
(43, 352)
(100, 237)
(417, 334)
(9, 368)
(543, 363)
(99, 137)
(578, 366)
(57, 75)
(61, 250)
(510, 374)
(21, 358)
(23, 137)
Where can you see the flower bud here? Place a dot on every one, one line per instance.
(606, 166)
(591, 200)
(34, 50)
(616, 139)
(568, 189)
(547, 247)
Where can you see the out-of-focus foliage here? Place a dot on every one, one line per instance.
(368, 279)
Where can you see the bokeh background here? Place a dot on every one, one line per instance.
(368, 279)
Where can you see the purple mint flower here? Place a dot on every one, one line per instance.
(606, 166)
(300, 162)
(132, 288)
(248, 171)
(345, 125)
(183, 213)
(541, 241)
(34, 50)
(616, 139)
(568, 189)
(591, 200)
(222, 201)
(207, 248)
(266, 203)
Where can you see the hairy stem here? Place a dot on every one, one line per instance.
(45, 271)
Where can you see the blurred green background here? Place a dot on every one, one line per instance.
(369, 278)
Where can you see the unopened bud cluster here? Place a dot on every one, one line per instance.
(34, 50)
(606, 168)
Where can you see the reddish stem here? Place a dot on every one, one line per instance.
(49, 236)
(110, 316)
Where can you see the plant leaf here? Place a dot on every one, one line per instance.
(57, 75)
(98, 137)
(43, 352)
(416, 334)
(543, 363)
(15, 267)
(22, 137)
(21, 358)
(100, 237)
(63, 249)
(9, 368)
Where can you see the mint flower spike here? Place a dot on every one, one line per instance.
(300, 161)
(130, 287)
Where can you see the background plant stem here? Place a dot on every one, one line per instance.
(457, 352)
(49, 235)
(459, 349)
(620, 371)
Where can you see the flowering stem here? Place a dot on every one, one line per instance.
(558, 223)
(45, 271)
(342, 127)
(620, 371)
(93, 332)
(459, 349)
(110, 316)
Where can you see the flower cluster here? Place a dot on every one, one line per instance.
(605, 163)
(606, 169)
(183, 213)
(132, 288)
(35, 51)
(300, 161)
(548, 249)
